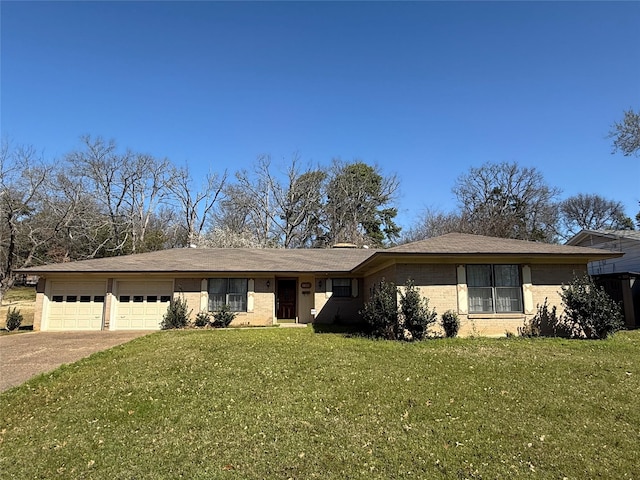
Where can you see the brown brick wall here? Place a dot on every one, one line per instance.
(426, 275)
(555, 274)
(388, 274)
(188, 285)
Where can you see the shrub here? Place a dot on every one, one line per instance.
(450, 323)
(381, 311)
(223, 317)
(202, 319)
(177, 315)
(589, 310)
(14, 319)
(415, 316)
(543, 322)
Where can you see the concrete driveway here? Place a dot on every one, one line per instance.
(24, 355)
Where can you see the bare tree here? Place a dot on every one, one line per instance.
(274, 209)
(151, 185)
(433, 223)
(591, 212)
(196, 204)
(22, 180)
(505, 200)
(253, 195)
(127, 187)
(626, 134)
(107, 177)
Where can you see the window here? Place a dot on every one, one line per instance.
(72, 298)
(85, 298)
(152, 298)
(98, 299)
(494, 288)
(341, 287)
(138, 298)
(229, 291)
(165, 298)
(125, 298)
(57, 298)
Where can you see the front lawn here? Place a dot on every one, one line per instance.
(291, 403)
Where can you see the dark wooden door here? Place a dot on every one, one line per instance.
(286, 300)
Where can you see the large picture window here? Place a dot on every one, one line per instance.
(494, 288)
(229, 291)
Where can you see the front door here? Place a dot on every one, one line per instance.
(286, 300)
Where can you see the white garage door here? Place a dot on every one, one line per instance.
(141, 305)
(76, 306)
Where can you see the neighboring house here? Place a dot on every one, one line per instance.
(494, 284)
(619, 276)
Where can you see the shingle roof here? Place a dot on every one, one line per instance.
(466, 244)
(219, 260)
(191, 260)
(613, 234)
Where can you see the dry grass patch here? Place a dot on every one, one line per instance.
(22, 298)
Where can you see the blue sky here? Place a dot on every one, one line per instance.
(425, 90)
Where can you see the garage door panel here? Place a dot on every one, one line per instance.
(76, 305)
(140, 306)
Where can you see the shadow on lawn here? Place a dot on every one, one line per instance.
(347, 330)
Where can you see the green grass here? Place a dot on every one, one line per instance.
(291, 403)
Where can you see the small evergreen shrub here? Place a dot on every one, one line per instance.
(177, 315)
(415, 316)
(14, 319)
(381, 311)
(588, 310)
(450, 324)
(202, 319)
(223, 317)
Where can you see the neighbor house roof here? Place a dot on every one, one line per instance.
(578, 238)
(340, 260)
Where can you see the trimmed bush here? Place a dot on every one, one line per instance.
(415, 316)
(14, 319)
(177, 315)
(381, 311)
(223, 317)
(588, 309)
(450, 324)
(202, 319)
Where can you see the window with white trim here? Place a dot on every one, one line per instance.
(494, 288)
(228, 291)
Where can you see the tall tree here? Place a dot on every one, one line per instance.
(299, 202)
(506, 200)
(151, 186)
(128, 188)
(196, 204)
(359, 206)
(626, 134)
(22, 181)
(104, 174)
(275, 209)
(591, 212)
